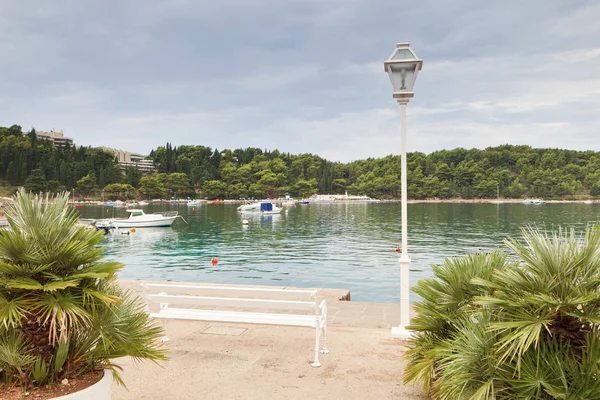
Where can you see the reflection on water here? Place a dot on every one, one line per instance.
(349, 246)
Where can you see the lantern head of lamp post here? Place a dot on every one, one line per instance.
(403, 66)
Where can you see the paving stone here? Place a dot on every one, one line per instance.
(224, 330)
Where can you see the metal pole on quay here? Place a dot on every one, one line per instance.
(403, 67)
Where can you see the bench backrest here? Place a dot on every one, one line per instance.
(232, 297)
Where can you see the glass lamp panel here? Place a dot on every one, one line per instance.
(403, 77)
(402, 54)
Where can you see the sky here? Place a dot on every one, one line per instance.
(302, 76)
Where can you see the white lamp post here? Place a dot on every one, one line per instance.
(403, 66)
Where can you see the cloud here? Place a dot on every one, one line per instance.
(302, 75)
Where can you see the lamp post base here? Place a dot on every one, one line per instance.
(400, 332)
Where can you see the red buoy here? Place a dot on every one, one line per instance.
(398, 249)
(215, 261)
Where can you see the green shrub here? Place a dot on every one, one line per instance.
(522, 327)
(62, 312)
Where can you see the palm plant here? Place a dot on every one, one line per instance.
(528, 329)
(62, 312)
(447, 306)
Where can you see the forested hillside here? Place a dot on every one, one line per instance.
(513, 171)
(37, 164)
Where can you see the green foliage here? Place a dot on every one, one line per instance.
(87, 185)
(119, 191)
(133, 176)
(21, 154)
(40, 370)
(178, 185)
(214, 189)
(62, 312)
(506, 171)
(152, 187)
(529, 328)
(35, 182)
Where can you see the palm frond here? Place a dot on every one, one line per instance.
(14, 356)
(62, 313)
(13, 310)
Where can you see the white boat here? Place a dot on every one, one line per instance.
(264, 207)
(193, 203)
(138, 219)
(328, 198)
(533, 201)
(143, 203)
(287, 201)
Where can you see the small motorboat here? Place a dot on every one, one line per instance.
(264, 207)
(533, 201)
(138, 219)
(194, 203)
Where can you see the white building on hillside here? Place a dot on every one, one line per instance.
(134, 160)
(58, 139)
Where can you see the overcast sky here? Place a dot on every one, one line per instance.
(302, 75)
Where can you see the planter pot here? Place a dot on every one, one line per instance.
(98, 391)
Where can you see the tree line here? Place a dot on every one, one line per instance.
(198, 171)
(26, 160)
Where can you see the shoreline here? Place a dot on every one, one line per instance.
(90, 202)
(496, 201)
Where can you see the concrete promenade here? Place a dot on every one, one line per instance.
(211, 360)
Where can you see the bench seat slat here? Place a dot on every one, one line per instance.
(229, 291)
(237, 316)
(235, 302)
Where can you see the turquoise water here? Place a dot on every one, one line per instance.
(350, 246)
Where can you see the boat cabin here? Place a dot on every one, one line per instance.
(135, 213)
(266, 206)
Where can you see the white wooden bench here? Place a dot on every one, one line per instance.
(240, 305)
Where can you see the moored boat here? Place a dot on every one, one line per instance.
(533, 201)
(264, 207)
(138, 219)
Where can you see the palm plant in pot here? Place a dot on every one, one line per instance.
(62, 312)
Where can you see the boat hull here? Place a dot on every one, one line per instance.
(157, 223)
(274, 212)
